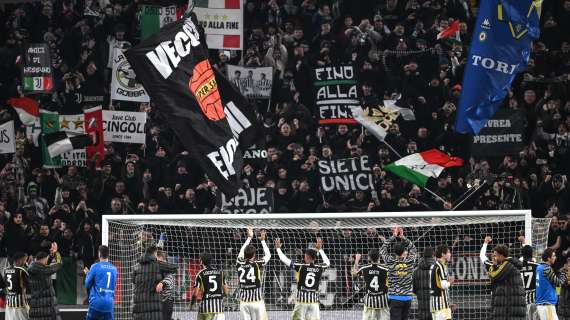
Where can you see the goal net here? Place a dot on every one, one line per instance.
(344, 235)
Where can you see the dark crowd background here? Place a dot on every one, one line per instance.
(392, 45)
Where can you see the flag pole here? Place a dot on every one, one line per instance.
(468, 196)
(392, 148)
(434, 194)
(268, 104)
(426, 189)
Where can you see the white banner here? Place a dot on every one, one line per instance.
(123, 126)
(222, 23)
(124, 86)
(253, 83)
(73, 123)
(7, 138)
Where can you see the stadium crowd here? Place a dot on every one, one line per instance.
(393, 46)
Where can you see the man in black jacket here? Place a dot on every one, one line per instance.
(422, 284)
(508, 294)
(43, 300)
(564, 301)
(147, 274)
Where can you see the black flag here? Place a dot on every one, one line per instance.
(211, 118)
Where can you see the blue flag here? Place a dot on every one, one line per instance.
(500, 49)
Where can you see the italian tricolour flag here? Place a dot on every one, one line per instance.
(222, 21)
(44, 83)
(153, 18)
(28, 109)
(419, 167)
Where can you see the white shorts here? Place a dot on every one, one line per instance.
(306, 311)
(17, 313)
(531, 311)
(546, 312)
(252, 310)
(375, 314)
(444, 314)
(211, 316)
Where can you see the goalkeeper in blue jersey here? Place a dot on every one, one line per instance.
(100, 283)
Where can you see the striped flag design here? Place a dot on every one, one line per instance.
(222, 21)
(44, 83)
(218, 4)
(153, 18)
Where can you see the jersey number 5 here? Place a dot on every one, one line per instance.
(213, 283)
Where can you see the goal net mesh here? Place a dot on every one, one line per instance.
(340, 295)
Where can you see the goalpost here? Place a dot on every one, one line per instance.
(344, 235)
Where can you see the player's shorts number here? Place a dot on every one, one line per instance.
(310, 280)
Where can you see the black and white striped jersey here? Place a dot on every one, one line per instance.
(439, 294)
(211, 282)
(250, 280)
(528, 274)
(167, 293)
(238, 82)
(16, 279)
(264, 86)
(308, 280)
(376, 280)
(400, 271)
(248, 85)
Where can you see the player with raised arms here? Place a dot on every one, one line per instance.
(252, 305)
(507, 290)
(100, 283)
(375, 277)
(401, 263)
(308, 275)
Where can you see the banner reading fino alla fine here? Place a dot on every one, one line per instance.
(336, 94)
(122, 126)
(352, 174)
(36, 74)
(222, 21)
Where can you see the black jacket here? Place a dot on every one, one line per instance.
(422, 287)
(508, 299)
(43, 300)
(146, 276)
(564, 302)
